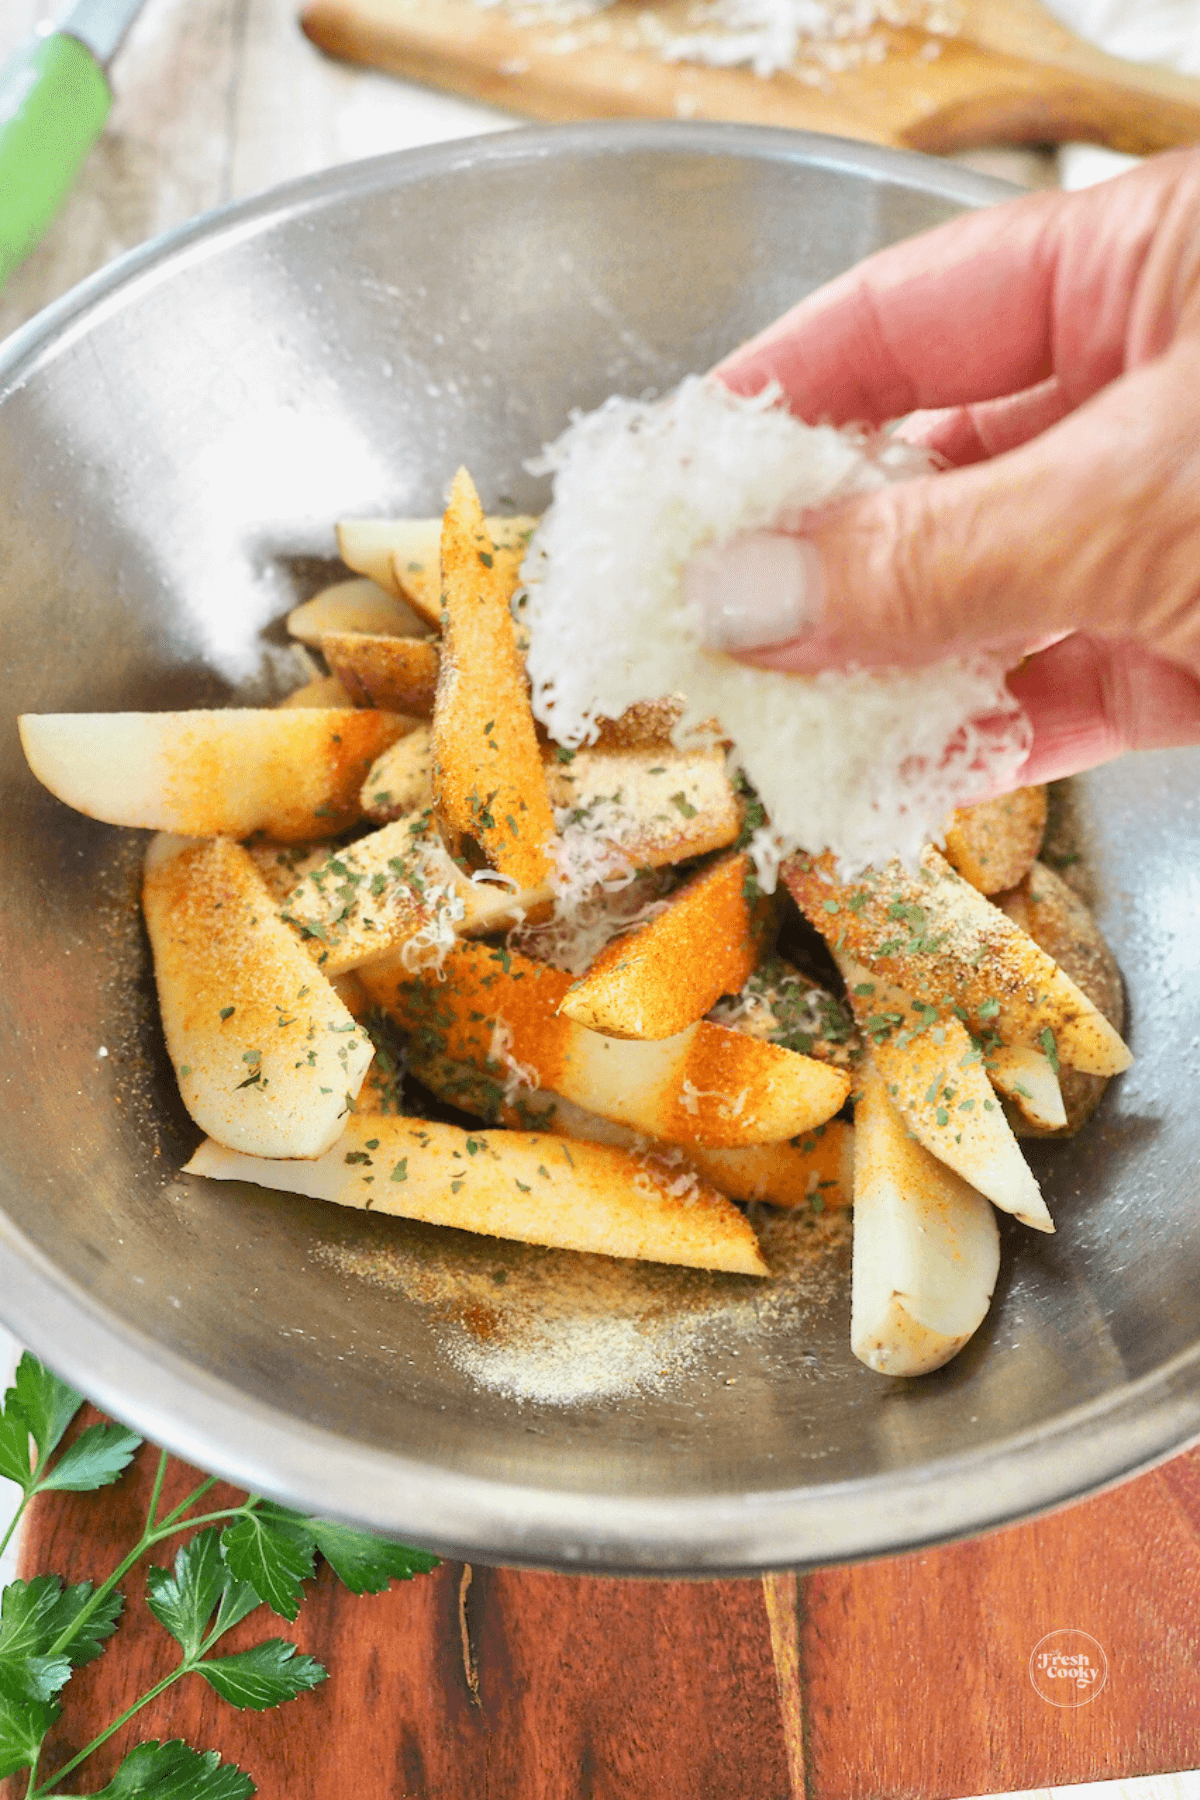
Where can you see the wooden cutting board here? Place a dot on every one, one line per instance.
(1010, 74)
(906, 1679)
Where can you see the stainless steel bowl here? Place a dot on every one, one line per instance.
(176, 438)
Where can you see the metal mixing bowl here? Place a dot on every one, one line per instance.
(176, 438)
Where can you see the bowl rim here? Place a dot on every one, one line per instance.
(208, 1422)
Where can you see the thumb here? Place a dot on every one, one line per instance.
(1094, 524)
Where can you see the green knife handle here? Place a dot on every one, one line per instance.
(54, 99)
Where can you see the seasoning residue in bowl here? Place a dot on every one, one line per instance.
(563, 1329)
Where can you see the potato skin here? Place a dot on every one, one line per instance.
(1057, 919)
(993, 844)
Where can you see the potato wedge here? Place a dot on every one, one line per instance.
(1056, 917)
(401, 555)
(993, 843)
(322, 690)
(815, 1169)
(401, 781)
(489, 784)
(937, 1082)
(1026, 1078)
(512, 1184)
(372, 547)
(499, 1010)
(645, 725)
(269, 1061)
(288, 775)
(652, 805)
(399, 674)
(397, 889)
(664, 975)
(934, 936)
(283, 866)
(357, 605)
(926, 1248)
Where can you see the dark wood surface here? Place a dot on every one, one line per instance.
(882, 1681)
(900, 1678)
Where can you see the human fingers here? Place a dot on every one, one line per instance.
(966, 434)
(1089, 701)
(1091, 525)
(992, 303)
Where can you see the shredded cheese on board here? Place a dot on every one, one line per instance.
(813, 40)
(867, 764)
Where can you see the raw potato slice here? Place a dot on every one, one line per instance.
(322, 690)
(1057, 919)
(936, 1080)
(402, 555)
(489, 784)
(396, 889)
(400, 673)
(356, 605)
(290, 775)
(268, 1059)
(666, 974)
(993, 843)
(934, 936)
(926, 1248)
(511, 1184)
(282, 867)
(653, 805)
(647, 724)
(1026, 1078)
(499, 1010)
(816, 1169)
(402, 779)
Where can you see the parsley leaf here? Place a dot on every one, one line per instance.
(237, 1602)
(95, 1460)
(34, 1615)
(183, 1601)
(23, 1725)
(14, 1444)
(47, 1404)
(174, 1771)
(261, 1677)
(272, 1549)
(366, 1564)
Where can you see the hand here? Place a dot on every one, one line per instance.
(1050, 350)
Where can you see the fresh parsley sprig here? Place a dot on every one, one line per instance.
(241, 1557)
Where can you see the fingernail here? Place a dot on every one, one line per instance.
(761, 588)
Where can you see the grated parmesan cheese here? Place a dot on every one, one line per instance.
(867, 764)
(519, 1078)
(834, 35)
(589, 915)
(814, 40)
